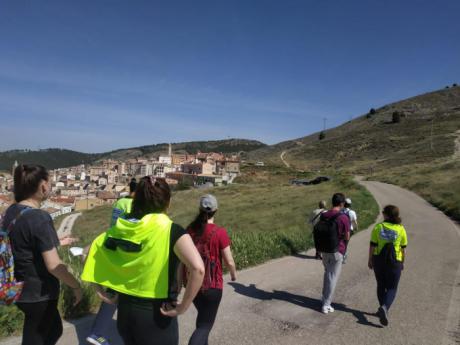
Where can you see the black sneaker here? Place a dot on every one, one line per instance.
(382, 313)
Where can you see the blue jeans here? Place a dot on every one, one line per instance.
(387, 281)
(101, 324)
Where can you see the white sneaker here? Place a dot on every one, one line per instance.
(327, 309)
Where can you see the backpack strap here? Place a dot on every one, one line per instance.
(19, 215)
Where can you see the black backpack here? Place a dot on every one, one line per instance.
(326, 234)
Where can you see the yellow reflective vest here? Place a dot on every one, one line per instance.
(140, 272)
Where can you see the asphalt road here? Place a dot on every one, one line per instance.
(279, 302)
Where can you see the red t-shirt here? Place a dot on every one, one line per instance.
(218, 242)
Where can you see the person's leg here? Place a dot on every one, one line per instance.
(103, 319)
(141, 323)
(42, 323)
(207, 304)
(379, 271)
(393, 275)
(333, 266)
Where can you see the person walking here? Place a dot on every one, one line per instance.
(213, 244)
(138, 258)
(331, 234)
(314, 219)
(387, 252)
(34, 244)
(353, 219)
(99, 334)
(351, 215)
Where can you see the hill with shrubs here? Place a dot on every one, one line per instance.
(414, 143)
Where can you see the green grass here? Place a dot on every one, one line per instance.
(266, 219)
(436, 182)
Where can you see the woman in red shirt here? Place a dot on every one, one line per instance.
(213, 244)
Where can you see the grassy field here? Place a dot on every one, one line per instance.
(436, 182)
(264, 215)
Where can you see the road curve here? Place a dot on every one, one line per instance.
(278, 302)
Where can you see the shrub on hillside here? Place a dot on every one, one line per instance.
(396, 117)
(322, 135)
(454, 85)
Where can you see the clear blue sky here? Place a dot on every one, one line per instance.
(98, 75)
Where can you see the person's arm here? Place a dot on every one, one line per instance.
(229, 262)
(55, 267)
(370, 264)
(188, 254)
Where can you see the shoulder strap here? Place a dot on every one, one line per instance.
(13, 222)
(319, 214)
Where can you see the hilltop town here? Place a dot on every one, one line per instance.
(84, 187)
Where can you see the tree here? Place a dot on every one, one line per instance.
(322, 135)
(396, 117)
(454, 85)
(372, 111)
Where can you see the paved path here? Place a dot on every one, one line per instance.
(278, 302)
(283, 160)
(65, 229)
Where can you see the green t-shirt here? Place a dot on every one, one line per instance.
(121, 208)
(384, 233)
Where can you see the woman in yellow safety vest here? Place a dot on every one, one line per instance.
(138, 258)
(387, 253)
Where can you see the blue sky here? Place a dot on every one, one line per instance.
(99, 75)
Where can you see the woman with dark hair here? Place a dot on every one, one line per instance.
(138, 258)
(387, 253)
(34, 245)
(213, 244)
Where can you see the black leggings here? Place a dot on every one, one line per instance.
(207, 304)
(387, 281)
(42, 323)
(140, 322)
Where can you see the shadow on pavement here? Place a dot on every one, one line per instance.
(301, 301)
(83, 329)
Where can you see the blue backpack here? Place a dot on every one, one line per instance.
(10, 288)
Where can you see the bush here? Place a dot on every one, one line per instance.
(372, 111)
(322, 135)
(454, 85)
(396, 118)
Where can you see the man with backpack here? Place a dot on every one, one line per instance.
(331, 234)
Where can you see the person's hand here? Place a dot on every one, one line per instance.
(67, 241)
(172, 309)
(107, 297)
(370, 264)
(78, 295)
(233, 277)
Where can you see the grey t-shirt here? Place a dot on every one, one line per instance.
(32, 234)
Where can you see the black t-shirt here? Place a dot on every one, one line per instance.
(32, 234)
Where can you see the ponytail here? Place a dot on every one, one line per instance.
(152, 196)
(199, 223)
(27, 179)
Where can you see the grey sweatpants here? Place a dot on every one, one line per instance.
(332, 267)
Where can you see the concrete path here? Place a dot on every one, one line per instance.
(65, 229)
(279, 302)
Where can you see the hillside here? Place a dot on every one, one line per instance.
(60, 158)
(427, 131)
(50, 158)
(421, 152)
(224, 146)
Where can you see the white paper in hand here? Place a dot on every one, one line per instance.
(76, 251)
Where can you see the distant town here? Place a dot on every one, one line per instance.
(84, 187)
